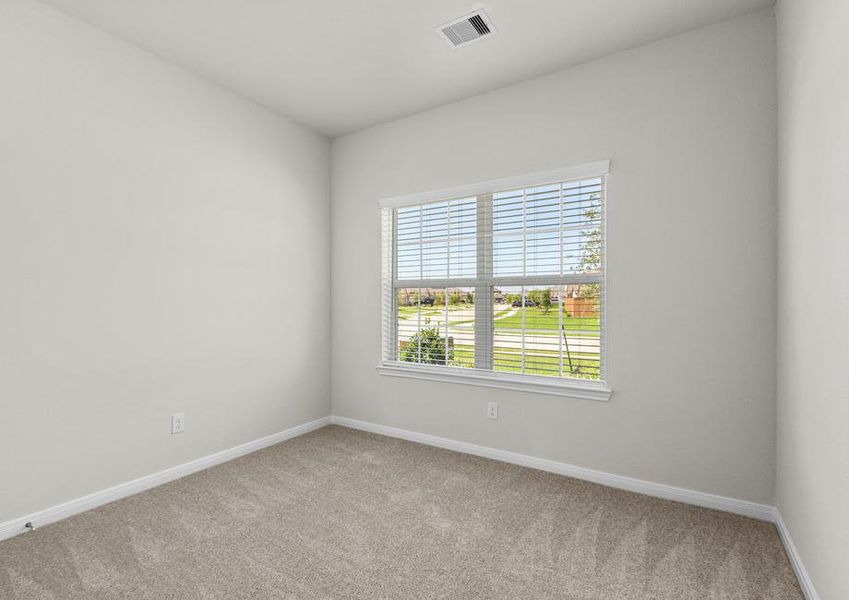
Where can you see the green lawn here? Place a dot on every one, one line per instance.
(464, 356)
(536, 318)
(584, 365)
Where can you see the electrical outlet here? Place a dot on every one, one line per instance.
(178, 423)
(492, 410)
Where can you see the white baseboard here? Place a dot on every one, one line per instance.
(50, 515)
(741, 507)
(795, 559)
(762, 512)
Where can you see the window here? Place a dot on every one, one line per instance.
(499, 284)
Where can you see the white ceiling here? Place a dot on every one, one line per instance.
(342, 65)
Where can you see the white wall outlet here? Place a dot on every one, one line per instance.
(492, 410)
(178, 422)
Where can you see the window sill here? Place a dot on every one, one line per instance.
(506, 381)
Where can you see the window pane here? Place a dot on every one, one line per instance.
(435, 260)
(438, 240)
(462, 258)
(548, 230)
(582, 221)
(508, 254)
(542, 331)
(543, 253)
(507, 329)
(436, 326)
(508, 239)
(548, 330)
(408, 224)
(408, 323)
(435, 221)
(461, 327)
(409, 262)
(581, 308)
(543, 207)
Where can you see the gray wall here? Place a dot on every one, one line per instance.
(813, 313)
(153, 231)
(689, 123)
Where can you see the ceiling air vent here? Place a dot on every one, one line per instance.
(466, 29)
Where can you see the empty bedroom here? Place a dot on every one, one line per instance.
(538, 299)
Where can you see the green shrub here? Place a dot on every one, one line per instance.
(432, 350)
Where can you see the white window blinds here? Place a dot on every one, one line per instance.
(506, 277)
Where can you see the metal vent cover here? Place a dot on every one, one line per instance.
(467, 28)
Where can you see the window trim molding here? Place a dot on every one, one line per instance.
(598, 168)
(572, 388)
(563, 386)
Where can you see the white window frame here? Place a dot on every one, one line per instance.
(482, 375)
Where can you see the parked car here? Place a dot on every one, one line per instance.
(528, 302)
(427, 301)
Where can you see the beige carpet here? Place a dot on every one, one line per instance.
(343, 514)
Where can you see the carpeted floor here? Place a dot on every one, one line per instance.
(339, 513)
